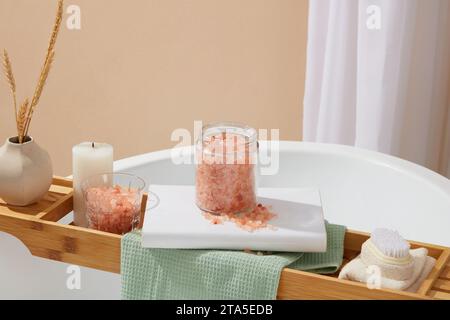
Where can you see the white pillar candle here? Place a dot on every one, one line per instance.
(88, 159)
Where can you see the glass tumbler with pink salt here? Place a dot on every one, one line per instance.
(113, 202)
(226, 156)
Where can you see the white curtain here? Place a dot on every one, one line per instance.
(378, 77)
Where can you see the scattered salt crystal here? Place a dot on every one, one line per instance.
(257, 219)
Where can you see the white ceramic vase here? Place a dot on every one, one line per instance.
(25, 172)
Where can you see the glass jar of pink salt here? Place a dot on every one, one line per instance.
(113, 202)
(226, 157)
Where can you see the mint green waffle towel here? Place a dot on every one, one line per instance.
(168, 274)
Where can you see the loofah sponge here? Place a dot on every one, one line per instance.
(400, 268)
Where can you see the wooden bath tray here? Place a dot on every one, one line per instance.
(38, 228)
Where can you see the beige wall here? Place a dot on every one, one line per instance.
(139, 69)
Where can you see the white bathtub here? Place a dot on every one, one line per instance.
(360, 189)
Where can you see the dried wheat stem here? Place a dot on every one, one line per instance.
(56, 26)
(7, 67)
(47, 65)
(22, 120)
(42, 79)
(41, 83)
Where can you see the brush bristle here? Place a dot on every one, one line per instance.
(391, 243)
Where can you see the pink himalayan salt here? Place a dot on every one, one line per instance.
(230, 144)
(225, 182)
(256, 219)
(113, 209)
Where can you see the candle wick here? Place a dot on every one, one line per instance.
(93, 144)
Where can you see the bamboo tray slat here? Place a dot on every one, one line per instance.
(38, 228)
